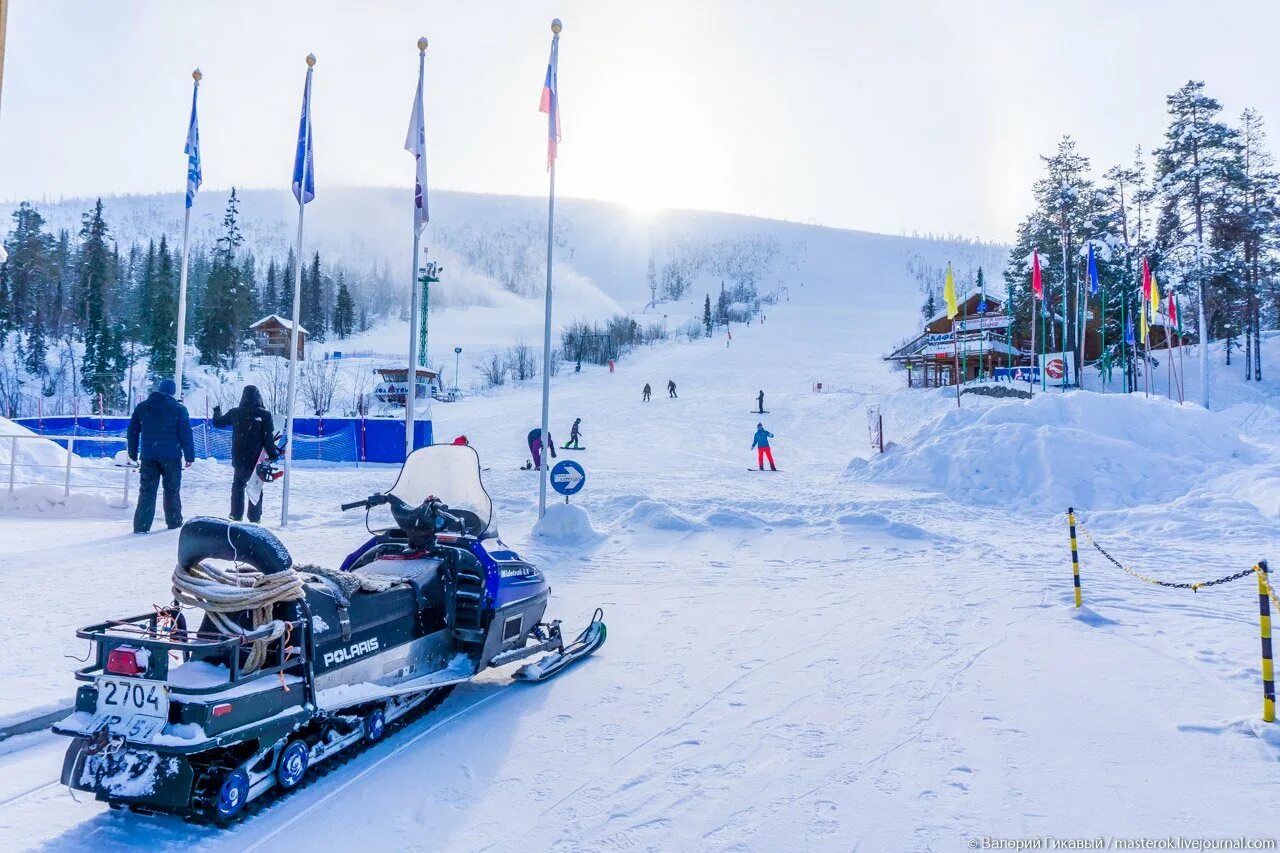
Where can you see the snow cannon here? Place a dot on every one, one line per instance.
(291, 665)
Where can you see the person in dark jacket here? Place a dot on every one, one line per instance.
(645, 394)
(536, 444)
(159, 438)
(575, 435)
(760, 403)
(252, 432)
(671, 388)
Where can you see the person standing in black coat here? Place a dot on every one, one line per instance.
(252, 432)
(159, 436)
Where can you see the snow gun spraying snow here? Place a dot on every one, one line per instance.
(292, 665)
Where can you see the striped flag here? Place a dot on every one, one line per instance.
(551, 100)
(415, 142)
(304, 175)
(1037, 283)
(192, 150)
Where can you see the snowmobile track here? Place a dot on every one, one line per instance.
(272, 833)
(316, 772)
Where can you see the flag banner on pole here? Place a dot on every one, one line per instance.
(192, 150)
(303, 164)
(1093, 273)
(1155, 297)
(1173, 313)
(1142, 335)
(551, 101)
(1037, 283)
(1128, 331)
(1146, 279)
(415, 142)
(949, 294)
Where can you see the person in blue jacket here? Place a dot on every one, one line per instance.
(761, 445)
(159, 438)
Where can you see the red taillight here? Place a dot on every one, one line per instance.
(126, 660)
(222, 710)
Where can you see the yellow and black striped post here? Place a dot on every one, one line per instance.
(1075, 555)
(1268, 666)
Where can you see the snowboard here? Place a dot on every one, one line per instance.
(758, 412)
(764, 470)
(573, 448)
(264, 473)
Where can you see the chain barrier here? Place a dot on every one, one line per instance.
(1148, 579)
(1267, 599)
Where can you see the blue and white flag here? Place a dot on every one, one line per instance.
(1093, 273)
(304, 175)
(193, 150)
(415, 142)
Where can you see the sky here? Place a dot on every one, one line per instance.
(904, 116)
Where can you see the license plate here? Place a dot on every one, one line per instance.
(125, 697)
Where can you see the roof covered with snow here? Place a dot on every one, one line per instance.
(277, 320)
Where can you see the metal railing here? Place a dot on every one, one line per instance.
(65, 467)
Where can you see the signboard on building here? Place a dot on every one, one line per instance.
(975, 323)
(1056, 367)
(940, 338)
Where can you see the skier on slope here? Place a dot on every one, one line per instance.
(671, 388)
(760, 402)
(536, 444)
(574, 435)
(761, 446)
(646, 393)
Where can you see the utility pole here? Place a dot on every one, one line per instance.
(4, 17)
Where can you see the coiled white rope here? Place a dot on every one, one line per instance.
(219, 591)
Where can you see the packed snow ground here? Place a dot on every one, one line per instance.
(853, 653)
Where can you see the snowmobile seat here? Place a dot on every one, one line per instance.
(206, 538)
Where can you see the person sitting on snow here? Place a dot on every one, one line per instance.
(761, 445)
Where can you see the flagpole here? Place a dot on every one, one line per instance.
(181, 349)
(297, 296)
(553, 119)
(411, 392)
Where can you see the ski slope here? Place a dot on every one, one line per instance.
(852, 653)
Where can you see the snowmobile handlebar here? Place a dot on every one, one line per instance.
(368, 503)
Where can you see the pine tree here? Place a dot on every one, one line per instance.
(271, 290)
(160, 324)
(1199, 159)
(722, 305)
(224, 311)
(284, 307)
(313, 313)
(343, 311)
(7, 319)
(97, 269)
(37, 349)
(29, 249)
(706, 315)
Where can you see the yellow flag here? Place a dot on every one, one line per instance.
(1155, 296)
(1142, 332)
(949, 294)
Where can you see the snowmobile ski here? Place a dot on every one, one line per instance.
(591, 638)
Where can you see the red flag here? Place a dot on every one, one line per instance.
(1146, 280)
(1173, 311)
(1036, 284)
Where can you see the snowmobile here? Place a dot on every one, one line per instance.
(294, 664)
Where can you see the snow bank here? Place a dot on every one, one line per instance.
(568, 524)
(1096, 451)
(50, 500)
(31, 450)
(656, 515)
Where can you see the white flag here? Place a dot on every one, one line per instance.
(415, 143)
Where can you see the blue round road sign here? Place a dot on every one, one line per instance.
(568, 478)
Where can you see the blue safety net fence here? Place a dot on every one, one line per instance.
(332, 440)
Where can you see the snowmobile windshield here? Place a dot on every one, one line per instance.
(450, 472)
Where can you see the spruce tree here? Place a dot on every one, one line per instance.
(97, 269)
(343, 311)
(7, 319)
(706, 315)
(271, 290)
(30, 269)
(223, 310)
(1197, 163)
(160, 324)
(312, 315)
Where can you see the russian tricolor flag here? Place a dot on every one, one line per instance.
(551, 101)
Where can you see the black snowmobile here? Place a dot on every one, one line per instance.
(293, 664)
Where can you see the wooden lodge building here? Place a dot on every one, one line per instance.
(271, 334)
(980, 340)
(977, 335)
